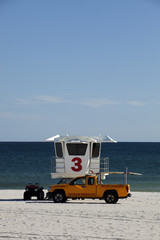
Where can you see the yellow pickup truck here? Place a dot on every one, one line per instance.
(88, 187)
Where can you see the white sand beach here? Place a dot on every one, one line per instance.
(137, 217)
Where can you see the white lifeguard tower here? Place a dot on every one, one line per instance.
(78, 155)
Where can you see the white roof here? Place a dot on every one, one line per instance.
(82, 139)
(52, 139)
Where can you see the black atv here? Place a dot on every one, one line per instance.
(33, 190)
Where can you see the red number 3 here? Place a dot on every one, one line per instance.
(77, 165)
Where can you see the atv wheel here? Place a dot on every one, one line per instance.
(40, 195)
(26, 196)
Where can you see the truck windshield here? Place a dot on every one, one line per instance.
(76, 148)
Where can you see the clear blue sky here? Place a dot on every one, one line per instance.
(84, 67)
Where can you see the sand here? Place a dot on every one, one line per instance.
(137, 217)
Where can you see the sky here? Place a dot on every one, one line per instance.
(80, 67)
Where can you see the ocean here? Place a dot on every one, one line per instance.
(30, 162)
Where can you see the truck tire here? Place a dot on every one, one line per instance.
(111, 197)
(59, 197)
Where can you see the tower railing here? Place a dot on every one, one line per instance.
(104, 164)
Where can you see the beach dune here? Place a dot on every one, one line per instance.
(137, 217)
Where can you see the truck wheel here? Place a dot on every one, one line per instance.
(40, 195)
(111, 197)
(26, 196)
(59, 197)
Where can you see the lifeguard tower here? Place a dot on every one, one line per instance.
(78, 155)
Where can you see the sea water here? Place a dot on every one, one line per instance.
(30, 162)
